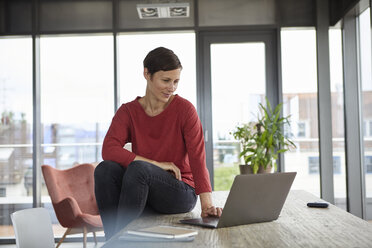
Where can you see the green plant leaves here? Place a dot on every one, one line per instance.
(264, 139)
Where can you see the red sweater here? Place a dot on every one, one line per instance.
(175, 135)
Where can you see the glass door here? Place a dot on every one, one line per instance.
(240, 71)
(238, 86)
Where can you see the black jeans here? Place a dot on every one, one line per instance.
(123, 193)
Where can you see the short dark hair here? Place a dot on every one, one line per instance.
(161, 59)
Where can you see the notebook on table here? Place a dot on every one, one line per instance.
(160, 233)
(252, 199)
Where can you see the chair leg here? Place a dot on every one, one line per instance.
(85, 237)
(95, 238)
(64, 236)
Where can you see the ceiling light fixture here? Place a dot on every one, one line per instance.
(163, 10)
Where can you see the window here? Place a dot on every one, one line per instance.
(337, 165)
(15, 126)
(366, 86)
(299, 77)
(367, 128)
(337, 104)
(368, 164)
(301, 129)
(76, 100)
(314, 165)
(76, 97)
(236, 104)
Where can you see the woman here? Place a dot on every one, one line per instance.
(166, 169)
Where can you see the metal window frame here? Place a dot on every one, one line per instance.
(116, 92)
(355, 182)
(324, 102)
(36, 101)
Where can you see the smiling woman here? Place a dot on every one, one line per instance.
(166, 169)
(162, 70)
(160, 86)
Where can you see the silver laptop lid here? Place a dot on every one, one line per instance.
(256, 198)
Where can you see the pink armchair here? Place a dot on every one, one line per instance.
(73, 199)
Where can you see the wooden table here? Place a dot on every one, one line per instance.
(297, 226)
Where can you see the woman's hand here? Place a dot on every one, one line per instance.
(211, 211)
(170, 167)
(208, 209)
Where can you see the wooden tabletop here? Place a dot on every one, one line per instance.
(297, 226)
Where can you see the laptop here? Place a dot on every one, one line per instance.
(252, 199)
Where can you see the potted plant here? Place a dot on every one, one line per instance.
(263, 141)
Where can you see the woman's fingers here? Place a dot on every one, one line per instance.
(178, 174)
(219, 212)
(169, 166)
(212, 211)
(176, 171)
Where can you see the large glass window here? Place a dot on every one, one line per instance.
(366, 84)
(15, 127)
(134, 47)
(76, 99)
(299, 76)
(235, 100)
(337, 98)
